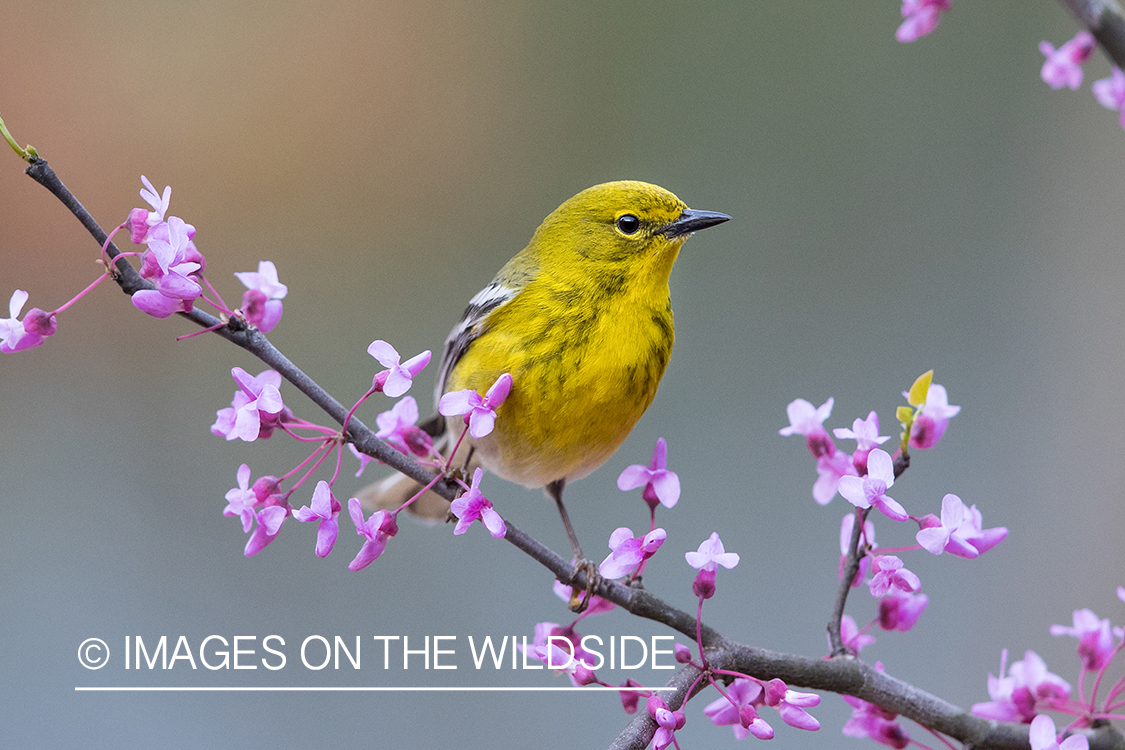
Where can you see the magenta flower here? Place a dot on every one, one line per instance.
(480, 413)
(1110, 92)
(630, 698)
(808, 420)
(660, 485)
(377, 531)
(33, 330)
(706, 560)
(141, 222)
(269, 526)
(873, 722)
(261, 302)
(921, 18)
(667, 722)
(931, 422)
(854, 641)
(738, 710)
(473, 506)
(398, 376)
(1095, 638)
(169, 263)
(326, 510)
(830, 470)
(791, 704)
(241, 500)
(256, 409)
(899, 610)
(1014, 696)
(629, 552)
(711, 554)
(1063, 66)
(561, 649)
(1043, 736)
(889, 574)
(866, 434)
(397, 427)
(871, 490)
(959, 531)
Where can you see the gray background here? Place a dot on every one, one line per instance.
(897, 208)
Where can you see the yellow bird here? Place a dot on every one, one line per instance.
(582, 320)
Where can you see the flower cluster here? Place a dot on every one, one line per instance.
(865, 478)
(173, 266)
(1028, 688)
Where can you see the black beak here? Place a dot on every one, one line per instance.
(692, 220)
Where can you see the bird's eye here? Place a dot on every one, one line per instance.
(628, 224)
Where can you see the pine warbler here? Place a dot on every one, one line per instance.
(581, 318)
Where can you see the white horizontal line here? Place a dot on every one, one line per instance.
(356, 689)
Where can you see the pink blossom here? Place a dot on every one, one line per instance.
(931, 422)
(33, 330)
(256, 409)
(937, 536)
(889, 574)
(873, 722)
(397, 427)
(169, 263)
(1014, 697)
(141, 222)
(325, 509)
(269, 526)
(377, 531)
(871, 490)
(1095, 638)
(711, 554)
(706, 559)
(830, 470)
(660, 485)
(547, 646)
(854, 641)
(261, 302)
(921, 18)
(1042, 736)
(630, 698)
(738, 710)
(791, 704)
(629, 552)
(1063, 66)
(241, 500)
(480, 413)
(397, 378)
(808, 420)
(1110, 92)
(866, 434)
(900, 610)
(473, 506)
(667, 721)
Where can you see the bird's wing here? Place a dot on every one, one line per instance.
(470, 327)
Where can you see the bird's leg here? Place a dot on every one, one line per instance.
(554, 491)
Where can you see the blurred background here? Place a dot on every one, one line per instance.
(896, 208)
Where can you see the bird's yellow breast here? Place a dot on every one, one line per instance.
(584, 365)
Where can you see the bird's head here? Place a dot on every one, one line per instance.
(626, 228)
